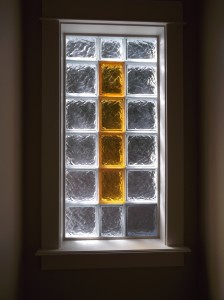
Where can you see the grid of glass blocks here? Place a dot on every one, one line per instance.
(110, 137)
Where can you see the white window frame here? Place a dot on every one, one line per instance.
(168, 250)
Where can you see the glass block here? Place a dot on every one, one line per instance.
(80, 221)
(142, 150)
(141, 220)
(111, 221)
(141, 185)
(112, 187)
(111, 79)
(81, 78)
(141, 79)
(142, 115)
(81, 114)
(111, 48)
(111, 150)
(81, 186)
(80, 149)
(112, 114)
(141, 49)
(80, 47)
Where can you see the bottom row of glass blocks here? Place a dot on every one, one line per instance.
(114, 221)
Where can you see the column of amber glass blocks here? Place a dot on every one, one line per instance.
(111, 137)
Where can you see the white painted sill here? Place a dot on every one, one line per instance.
(102, 254)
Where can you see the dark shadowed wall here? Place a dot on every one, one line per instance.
(10, 149)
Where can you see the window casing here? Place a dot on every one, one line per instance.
(170, 237)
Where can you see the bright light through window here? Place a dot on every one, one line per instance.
(111, 136)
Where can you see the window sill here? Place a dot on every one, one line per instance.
(101, 254)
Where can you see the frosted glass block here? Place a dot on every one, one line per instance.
(80, 47)
(80, 221)
(81, 78)
(142, 115)
(141, 79)
(141, 48)
(111, 48)
(111, 79)
(141, 185)
(81, 114)
(112, 187)
(111, 114)
(111, 150)
(111, 221)
(141, 220)
(80, 149)
(142, 150)
(81, 186)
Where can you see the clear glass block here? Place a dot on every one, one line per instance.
(80, 221)
(141, 114)
(141, 185)
(141, 79)
(111, 48)
(81, 150)
(111, 221)
(81, 186)
(81, 78)
(141, 49)
(112, 150)
(81, 114)
(141, 220)
(112, 79)
(111, 187)
(112, 114)
(142, 150)
(80, 47)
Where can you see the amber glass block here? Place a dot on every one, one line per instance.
(112, 187)
(112, 114)
(111, 79)
(111, 150)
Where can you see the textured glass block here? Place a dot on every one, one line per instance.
(111, 150)
(112, 187)
(141, 49)
(141, 79)
(81, 78)
(111, 221)
(80, 221)
(141, 220)
(142, 115)
(111, 114)
(141, 185)
(111, 48)
(111, 79)
(80, 47)
(142, 150)
(81, 186)
(81, 114)
(80, 149)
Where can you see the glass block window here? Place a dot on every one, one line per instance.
(111, 137)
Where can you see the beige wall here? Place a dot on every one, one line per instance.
(212, 147)
(10, 150)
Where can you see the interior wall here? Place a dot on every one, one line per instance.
(155, 283)
(212, 149)
(10, 150)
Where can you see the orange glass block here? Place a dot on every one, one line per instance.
(112, 187)
(112, 114)
(111, 150)
(111, 79)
